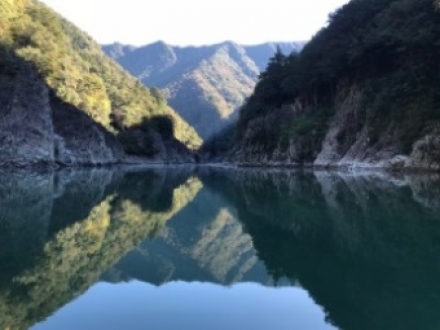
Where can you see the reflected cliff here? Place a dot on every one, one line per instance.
(365, 247)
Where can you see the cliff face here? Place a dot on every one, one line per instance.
(37, 128)
(27, 133)
(347, 139)
(349, 143)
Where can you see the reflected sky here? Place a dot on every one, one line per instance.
(180, 305)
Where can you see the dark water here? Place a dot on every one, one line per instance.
(218, 249)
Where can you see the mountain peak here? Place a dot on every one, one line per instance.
(206, 84)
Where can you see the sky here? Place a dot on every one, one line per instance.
(197, 22)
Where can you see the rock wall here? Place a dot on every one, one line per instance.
(81, 141)
(346, 143)
(37, 128)
(26, 128)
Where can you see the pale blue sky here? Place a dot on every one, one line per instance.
(197, 22)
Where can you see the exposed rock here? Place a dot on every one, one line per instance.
(347, 141)
(26, 129)
(81, 141)
(426, 152)
(37, 128)
(151, 147)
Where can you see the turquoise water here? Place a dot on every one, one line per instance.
(191, 248)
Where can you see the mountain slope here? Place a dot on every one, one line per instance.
(206, 85)
(76, 71)
(364, 92)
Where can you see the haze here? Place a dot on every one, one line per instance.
(195, 22)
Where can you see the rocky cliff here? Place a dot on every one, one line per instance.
(38, 128)
(358, 95)
(344, 141)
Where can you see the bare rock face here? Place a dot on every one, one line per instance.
(38, 128)
(348, 140)
(426, 152)
(158, 149)
(81, 141)
(26, 128)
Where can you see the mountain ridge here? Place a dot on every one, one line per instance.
(206, 84)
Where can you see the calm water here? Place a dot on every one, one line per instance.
(218, 249)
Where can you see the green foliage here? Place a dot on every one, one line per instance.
(75, 67)
(315, 120)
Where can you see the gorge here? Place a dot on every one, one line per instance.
(357, 95)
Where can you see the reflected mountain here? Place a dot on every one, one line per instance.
(366, 247)
(204, 242)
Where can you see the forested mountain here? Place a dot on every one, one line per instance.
(365, 91)
(206, 85)
(45, 59)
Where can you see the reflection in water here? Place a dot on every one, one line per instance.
(80, 224)
(365, 247)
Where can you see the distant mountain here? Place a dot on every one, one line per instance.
(205, 85)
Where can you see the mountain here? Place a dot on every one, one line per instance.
(206, 85)
(63, 100)
(364, 92)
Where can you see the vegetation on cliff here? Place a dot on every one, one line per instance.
(78, 71)
(387, 49)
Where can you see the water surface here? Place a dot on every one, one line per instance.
(218, 249)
